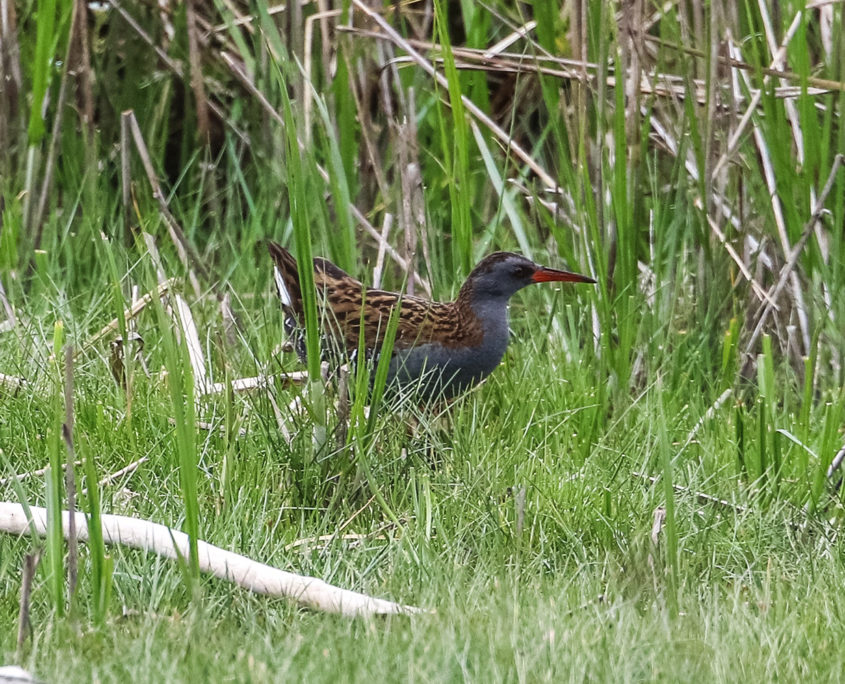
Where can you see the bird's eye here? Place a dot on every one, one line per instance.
(521, 271)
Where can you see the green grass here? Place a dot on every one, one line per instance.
(522, 513)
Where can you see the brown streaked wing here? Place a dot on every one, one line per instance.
(420, 321)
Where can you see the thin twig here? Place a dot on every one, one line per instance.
(30, 565)
(126, 470)
(70, 478)
(708, 414)
(700, 496)
(32, 473)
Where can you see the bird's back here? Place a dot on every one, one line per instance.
(341, 300)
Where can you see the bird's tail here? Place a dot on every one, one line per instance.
(286, 277)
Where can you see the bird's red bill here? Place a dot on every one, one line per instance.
(552, 275)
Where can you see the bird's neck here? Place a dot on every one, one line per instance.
(491, 313)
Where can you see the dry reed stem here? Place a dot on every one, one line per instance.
(36, 222)
(668, 85)
(175, 66)
(836, 463)
(11, 83)
(188, 254)
(780, 224)
(307, 62)
(196, 80)
(244, 78)
(8, 309)
(385, 234)
(471, 107)
(788, 269)
(721, 203)
(739, 132)
(185, 319)
(510, 39)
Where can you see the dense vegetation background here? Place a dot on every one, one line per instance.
(647, 488)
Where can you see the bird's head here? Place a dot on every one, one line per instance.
(501, 274)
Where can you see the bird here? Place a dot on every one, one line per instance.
(440, 348)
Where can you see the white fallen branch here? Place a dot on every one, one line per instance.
(249, 574)
(12, 674)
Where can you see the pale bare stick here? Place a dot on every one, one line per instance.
(510, 39)
(126, 470)
(185, 320)
(7, 308)
(836, 463)
(385, 233)
(130, 313)
(258, 382)
(29, 474)
(169, 543)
